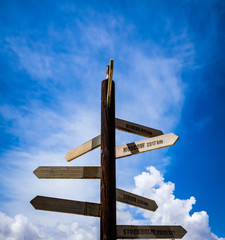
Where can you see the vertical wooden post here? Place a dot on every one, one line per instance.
(108, 179)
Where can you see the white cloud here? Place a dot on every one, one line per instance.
(20, 228)
(171, 210)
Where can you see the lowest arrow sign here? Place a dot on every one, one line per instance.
(68, 172)
(66, 206)
(150, 232)
(145, 145)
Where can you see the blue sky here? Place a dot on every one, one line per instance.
(169, 74)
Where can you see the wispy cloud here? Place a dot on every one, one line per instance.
(149, 91)
(171, 210)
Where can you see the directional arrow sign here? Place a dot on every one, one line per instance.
(84, 148)
(68, 172)
(135, 200)
(145, 145)
(136, 128)
(120, 125)
(150, 232)
(66, 206)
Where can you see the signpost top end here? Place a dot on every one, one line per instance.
(110, 74)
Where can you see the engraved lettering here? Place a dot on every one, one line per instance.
(134, 147)
(138, 129)
(148, 231)
(131, 198)
(171, 232)
(125, 149)
(163, 232)
(149, 144)
(142, 202)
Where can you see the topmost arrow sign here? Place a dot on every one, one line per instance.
(135, 128)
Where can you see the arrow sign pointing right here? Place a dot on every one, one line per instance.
(135, 128)
(150, 232)
(145, 145)
(135, 200)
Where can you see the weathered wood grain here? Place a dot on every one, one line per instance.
(145, 145)
(108, 167)
(68, 172)
(66, 206)
(136, 128)
(135, 200)
(150, 232)
(84, 148)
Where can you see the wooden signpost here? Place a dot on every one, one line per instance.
(106, 209)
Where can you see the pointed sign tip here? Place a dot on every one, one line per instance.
(35, 171)
(156, 207)
(175, 137)
(184, 230)
(33, 201)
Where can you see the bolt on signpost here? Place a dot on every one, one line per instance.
(106, 209)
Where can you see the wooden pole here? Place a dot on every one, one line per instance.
(108, 179)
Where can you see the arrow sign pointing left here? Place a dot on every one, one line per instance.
(68, 172)
(66, 206)
(84, 148)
